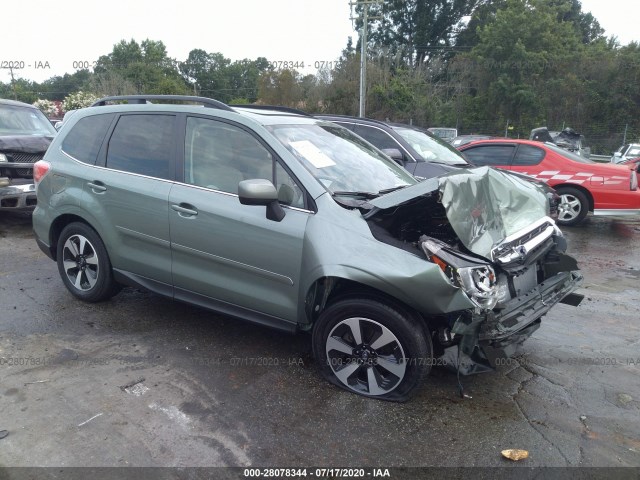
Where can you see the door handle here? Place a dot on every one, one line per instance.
(185, 210)
(97, 187)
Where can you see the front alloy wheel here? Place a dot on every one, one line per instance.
(366, 356)
(372, 349)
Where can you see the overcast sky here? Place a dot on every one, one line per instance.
(66, 31)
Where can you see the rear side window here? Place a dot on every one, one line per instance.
(490, 155)
(143, 144)
(85, 138)
(528, 155)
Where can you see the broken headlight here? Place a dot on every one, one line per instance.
(478, 281)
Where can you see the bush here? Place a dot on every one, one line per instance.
(49, 108)
(77, 100)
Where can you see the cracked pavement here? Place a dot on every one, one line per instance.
(144, 381)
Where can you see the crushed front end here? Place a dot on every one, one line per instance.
(530, 274)
(491, 235)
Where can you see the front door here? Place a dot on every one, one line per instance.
(228, 254)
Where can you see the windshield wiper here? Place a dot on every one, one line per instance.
(392, 189)
(344, 193)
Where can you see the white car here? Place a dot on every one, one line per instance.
(625, 152)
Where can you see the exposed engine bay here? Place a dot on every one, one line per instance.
(502, 249)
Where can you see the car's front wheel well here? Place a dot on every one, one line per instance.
(56, 229)
(329, 290)
(580, 188)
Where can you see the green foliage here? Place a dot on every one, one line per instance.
(213, 75)
(528, 63)
(417, 30)
(280, 87)
(145, 66)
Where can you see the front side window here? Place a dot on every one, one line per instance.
(143, 144)
(219, 156)
(491, 155)
(634, 151)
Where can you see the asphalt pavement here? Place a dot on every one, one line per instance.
(141, 380)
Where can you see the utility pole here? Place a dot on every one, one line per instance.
(13, 82)
(363, 48)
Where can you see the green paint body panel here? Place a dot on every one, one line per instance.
(230, 252)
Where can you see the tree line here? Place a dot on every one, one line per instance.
(484, 66)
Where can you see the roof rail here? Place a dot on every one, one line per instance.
(142, 99)
(273, 107)
(351, 117)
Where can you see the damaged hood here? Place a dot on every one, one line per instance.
(25, 143)
(484, 206)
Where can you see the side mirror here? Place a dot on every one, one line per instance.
(261, 192)
(395, 155)
(617, 154)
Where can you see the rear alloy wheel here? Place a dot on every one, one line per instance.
(84, 265)
(573, 206)
(372, 349)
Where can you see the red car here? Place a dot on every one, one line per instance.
(583, 185)
(633, 164)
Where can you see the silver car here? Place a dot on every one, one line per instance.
(626, 152)
(296, 223)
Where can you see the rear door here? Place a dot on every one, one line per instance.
(227, 255)
(129, 191)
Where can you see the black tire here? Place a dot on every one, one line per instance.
(573, 206)
(389, 338)
(83, 264)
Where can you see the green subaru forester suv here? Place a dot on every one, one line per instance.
(296, 223)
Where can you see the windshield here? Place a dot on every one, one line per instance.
(568, 154)
(340, 160)
(430, 148)
(24, 121)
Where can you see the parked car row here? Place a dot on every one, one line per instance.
(25, 135)
(299, 223)
(583, 185)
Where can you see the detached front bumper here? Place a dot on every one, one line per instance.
(488, 336)
(18, 197)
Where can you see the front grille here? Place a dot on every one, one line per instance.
(508, 247)
(24, 158)
(523, 246)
